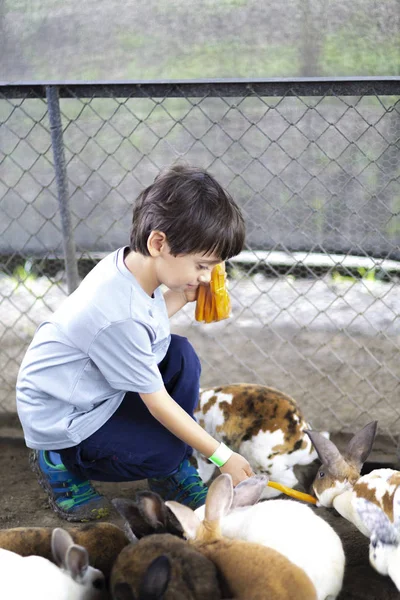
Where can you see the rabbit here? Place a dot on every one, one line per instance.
(292, 529)
(338, 482)
(384, 547)
(38, 578)
(192, 575)
(262, 424)
(103, 542)
(146, 514)
(153, 585)
(360, 580)
(249, 571)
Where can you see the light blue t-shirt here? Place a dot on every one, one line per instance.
(107, 338)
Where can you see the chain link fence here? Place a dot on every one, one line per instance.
(314, 165)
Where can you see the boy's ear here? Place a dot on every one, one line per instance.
(156, 242)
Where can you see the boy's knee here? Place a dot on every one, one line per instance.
(181, 345)
(167, 460)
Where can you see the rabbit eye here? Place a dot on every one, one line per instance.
(321, 474)
(98, 584)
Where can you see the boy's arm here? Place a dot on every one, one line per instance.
(175, 301)
(175, 419)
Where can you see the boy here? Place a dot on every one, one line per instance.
(104, 391)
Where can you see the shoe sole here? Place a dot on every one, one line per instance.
(98, 513)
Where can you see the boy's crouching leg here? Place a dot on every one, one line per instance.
(71, 497)
(181, 370)
(181, 375)
(181, 483)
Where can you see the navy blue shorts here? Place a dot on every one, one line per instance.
(132, 444)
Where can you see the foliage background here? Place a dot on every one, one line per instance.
(189, 39)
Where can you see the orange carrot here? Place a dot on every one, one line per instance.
(291, 492)
(213, 302)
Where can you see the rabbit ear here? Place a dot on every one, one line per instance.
(123, 591)
(156, 578)
(360, 445)
(248, 491)
(186, 517)
(144, 515)
(375, 521)
(219, 498)
(77, 561)
(327, 452)
(61, 541)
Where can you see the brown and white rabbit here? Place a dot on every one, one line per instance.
(338, 482)
(103, 542)
(262, 424)
(249, 571)
(384, 547)
(192, 575)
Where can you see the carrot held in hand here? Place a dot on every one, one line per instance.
(213, 302)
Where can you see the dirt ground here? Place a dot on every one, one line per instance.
(23, 503)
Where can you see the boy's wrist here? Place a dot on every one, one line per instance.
(221, 455)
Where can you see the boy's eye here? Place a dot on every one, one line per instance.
(203, 267)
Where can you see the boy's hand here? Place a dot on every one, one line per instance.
(191, 294)
(238, 467)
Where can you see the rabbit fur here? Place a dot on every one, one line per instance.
(384, 547)
(37, 578)
(291, 528)
(192, 576)
(338, 482)
(103, 542)
(262, 424)
(249, 571)
(154, 582)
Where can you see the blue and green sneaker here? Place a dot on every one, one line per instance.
(183, 485)
(73, 498)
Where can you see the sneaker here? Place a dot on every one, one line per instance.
(184, 485)
(73, 498)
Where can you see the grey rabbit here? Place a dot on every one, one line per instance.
(192, 576)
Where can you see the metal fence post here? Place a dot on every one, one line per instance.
(71, 266)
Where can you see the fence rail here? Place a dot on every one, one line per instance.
(314, 164)
(297, 86)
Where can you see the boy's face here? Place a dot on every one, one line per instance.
(185, 271)
(181, 273)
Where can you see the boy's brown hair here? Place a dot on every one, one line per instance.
(191, 208)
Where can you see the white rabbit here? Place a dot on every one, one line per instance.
(291, 528)
(37, 578)
(248, 571)
(384, 547)
(338, 482)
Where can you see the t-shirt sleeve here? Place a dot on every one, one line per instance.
(122, 352)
